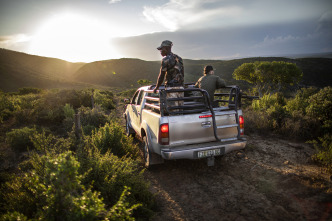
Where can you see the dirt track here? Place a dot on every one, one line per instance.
(271, 179)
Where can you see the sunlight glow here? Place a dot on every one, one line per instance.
(74, 38)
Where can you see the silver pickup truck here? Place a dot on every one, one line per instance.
(193, 130)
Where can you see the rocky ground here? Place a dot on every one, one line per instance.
(272, 179)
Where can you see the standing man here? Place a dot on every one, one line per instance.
(210, 83)
(172, 71)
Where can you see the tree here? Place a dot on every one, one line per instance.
(269, 77)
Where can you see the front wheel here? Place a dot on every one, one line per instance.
(129, 130)
(147, 155)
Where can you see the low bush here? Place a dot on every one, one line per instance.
(13, 216)
(19, 139)
(128, 93)
(301, 101)
(105, 99)
(29, 90)
(57, 193)
(111, 137)
(324, 150)
(320, 106)
(109, 174)
(92, 119)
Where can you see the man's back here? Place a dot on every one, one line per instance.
(172, 64)
(210, 83)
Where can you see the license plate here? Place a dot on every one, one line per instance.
(209, 153)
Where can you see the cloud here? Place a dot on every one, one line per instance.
(18, 42)
(114, 1)
(195, 14)
(12, 40)
(228, 43)
(325, 22)
(178, 14)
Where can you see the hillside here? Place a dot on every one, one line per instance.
(126, 72)
(123, 72)
(23, 70)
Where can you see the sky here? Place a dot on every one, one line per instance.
(93, 30)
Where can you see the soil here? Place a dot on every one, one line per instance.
(272, 179)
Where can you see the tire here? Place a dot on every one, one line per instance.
(129, 130)
(147, 154)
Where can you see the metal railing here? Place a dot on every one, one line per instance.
(191, 103)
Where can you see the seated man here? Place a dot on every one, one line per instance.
(210, 83)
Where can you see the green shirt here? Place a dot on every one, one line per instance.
(210, 83)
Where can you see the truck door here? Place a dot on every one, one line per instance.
(135, 114)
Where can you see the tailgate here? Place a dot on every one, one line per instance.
(195, 128)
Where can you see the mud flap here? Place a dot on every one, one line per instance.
(156, 159)
(210, 161)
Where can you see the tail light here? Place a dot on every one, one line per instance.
(241, 122)
(164, 134)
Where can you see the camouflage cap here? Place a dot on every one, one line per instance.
(165, 44)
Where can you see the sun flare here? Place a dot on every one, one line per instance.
(74, 38)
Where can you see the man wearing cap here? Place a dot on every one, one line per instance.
(171, 70)
(210, 82)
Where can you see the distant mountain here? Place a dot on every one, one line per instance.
(23, 70)
(125, 72)
(312, 55)
(118, 72)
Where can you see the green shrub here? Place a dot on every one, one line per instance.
(76, 98)
(55, 192)
(64, 195)
(93, 117)
(267, 101)
(320, 106)
(104, 99)
(109, 175)
(256, 121)
(112, 137)
(19, 139)
(129, 93)
(324, 150)
(277, 114)
(270, 107)
(17, 196)
(13, 216)
(45, 143)
(29, 90)
(88, 129)
(6, 107)
(69, 111)
(301, 100)
(300, 126)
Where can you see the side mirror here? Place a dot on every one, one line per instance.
(126, 101)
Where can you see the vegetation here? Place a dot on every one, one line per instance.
(269, 77)
(59, 175)
(306, 117)
(143, 82)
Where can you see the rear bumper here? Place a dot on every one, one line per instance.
(190, 151)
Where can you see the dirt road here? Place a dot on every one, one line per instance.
(271, 179)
